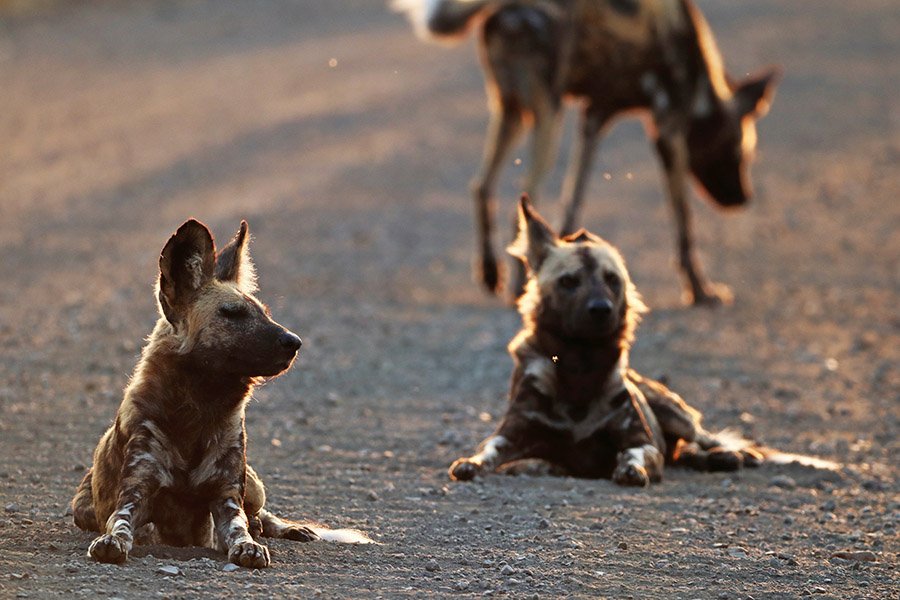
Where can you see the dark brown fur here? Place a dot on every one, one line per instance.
(173, 463)
(612, 57)
(574, 402)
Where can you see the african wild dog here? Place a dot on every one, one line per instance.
(173, 462)
(612, 57)
(574, 402)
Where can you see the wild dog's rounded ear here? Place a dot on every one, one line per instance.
(534, 239)
(233, 262)
(753, 95)
(186, 263)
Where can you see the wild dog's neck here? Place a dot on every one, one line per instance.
(601, 356)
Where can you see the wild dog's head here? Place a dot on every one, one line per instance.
(578, 288)
(722, 138)
(208, 299)
(722, 128)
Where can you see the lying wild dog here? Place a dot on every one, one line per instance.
(574, 402)
(174, 461)
(612, 57)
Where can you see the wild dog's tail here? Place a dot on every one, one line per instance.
(443, 19)
(732, 441)
(276, 527)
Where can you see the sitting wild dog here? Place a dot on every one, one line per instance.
(612, 57)
(175, 456)
(574, 402)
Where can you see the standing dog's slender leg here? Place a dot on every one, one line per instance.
(579, 169)
(543, 151)
(504, 127)
(673, 152)
(142, 476)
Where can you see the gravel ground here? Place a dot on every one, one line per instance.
(347, 144)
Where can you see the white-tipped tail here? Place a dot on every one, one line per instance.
(343, 536)
(787, 458)
(734, 441)
(444, 20)
(419, 13)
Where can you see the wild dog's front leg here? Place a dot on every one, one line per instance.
(673, 152)
(505, 126)
(637, 434)
(492, 452)
(233, 533)
(142, 476)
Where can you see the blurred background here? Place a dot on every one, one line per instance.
(348, 145)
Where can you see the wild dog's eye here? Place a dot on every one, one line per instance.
(613, 281)
(233, 311)
(569, 281)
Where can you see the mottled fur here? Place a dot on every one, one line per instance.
(611, 57)
(574, 401)
(173, 462)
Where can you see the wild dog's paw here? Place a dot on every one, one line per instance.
(631, 475)
(464, 469)
(710, 295)
(109, 549)
(720, 459)
(255, 527)
(249, 554)
(299, 533)
(488, 274)
(752, 458)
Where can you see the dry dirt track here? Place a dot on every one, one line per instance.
(347, 144)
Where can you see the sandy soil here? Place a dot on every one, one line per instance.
(348, 145)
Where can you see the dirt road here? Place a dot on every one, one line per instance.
(348, 146)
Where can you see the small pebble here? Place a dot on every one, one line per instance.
(622, 546)
(857, 555)
(229, 567)
(783, 481)
(507, 570)
(371, 495)
(169, 570)
(431, 566)
(11, 507)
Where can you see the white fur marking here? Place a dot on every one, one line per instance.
(343, 536)
(544, 374)
(490, 451)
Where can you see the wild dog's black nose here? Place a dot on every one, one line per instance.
(289, 341)
(600, 307)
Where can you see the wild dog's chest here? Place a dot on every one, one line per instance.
(579, 401)
(197, 461)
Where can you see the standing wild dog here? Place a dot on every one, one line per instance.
(574, 402)
(610, 56)
(174, 460)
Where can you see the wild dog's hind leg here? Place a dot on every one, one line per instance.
(264, 523)
(687, 442)
(83, 505)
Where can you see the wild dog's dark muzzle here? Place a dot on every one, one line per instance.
(600, 308)
(289, 341)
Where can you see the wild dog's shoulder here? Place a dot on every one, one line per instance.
(532, 363)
